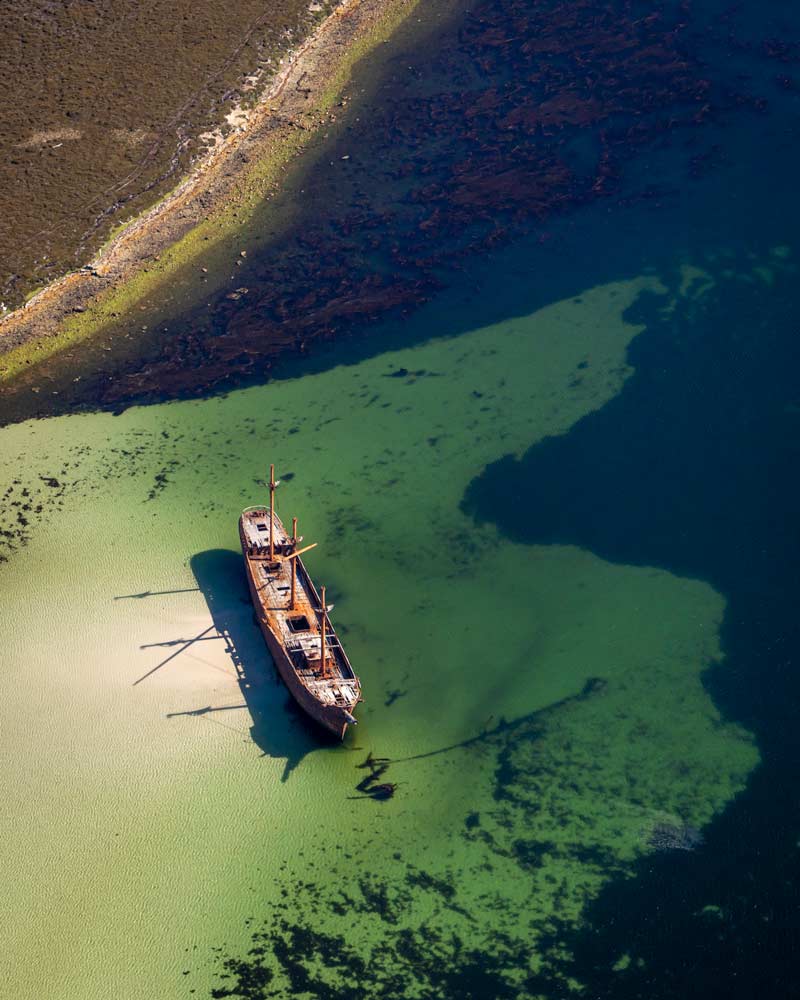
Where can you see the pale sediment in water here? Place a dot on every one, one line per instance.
(147, 821)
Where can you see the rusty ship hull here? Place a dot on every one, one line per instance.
(300, 637)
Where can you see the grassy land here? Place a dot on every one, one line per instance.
(215, 240)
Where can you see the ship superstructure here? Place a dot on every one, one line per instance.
(294, 618)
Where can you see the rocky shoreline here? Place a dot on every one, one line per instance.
(230, 177)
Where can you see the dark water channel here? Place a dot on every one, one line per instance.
(693, 468)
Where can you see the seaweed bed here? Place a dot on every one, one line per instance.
(508, 116)
(496, 123)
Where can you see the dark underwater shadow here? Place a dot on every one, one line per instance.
(694, 467)
(279, 728)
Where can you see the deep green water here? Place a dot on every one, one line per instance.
(565, 652)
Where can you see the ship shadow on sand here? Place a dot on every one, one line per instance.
(279, 728)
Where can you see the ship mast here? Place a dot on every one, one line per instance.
(272, 485)
(293, 560)
(294, 564)
(322, 632)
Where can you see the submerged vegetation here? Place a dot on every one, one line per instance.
(492, 121)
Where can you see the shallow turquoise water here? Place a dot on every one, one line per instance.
(543, 709)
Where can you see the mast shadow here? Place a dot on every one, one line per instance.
(154, 593)
(279, 728)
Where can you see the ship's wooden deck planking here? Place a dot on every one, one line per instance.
(274, 587)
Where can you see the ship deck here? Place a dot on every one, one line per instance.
(298, 630)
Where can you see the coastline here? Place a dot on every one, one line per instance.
(211, 203)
